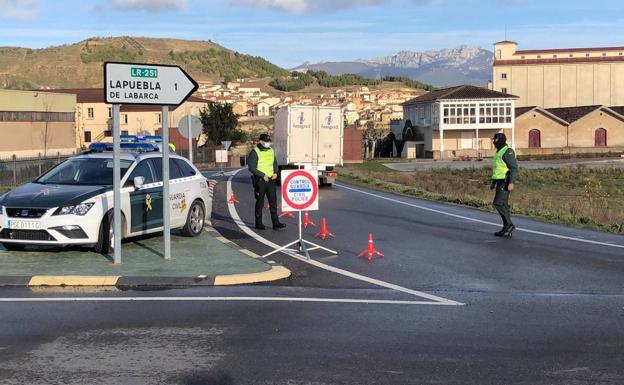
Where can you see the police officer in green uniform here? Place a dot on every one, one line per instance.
(263, 165)
(504, 175)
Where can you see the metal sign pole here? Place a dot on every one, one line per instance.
(190, 137)
(116, 186)
(165, 172)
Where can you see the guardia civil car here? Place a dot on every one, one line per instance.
(72, 204)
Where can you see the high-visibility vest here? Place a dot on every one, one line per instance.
(499, 167)
(265, 161)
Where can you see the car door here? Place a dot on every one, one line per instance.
(146, 202)
(177, 199)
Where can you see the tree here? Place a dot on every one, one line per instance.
(220, 123)
(372, 135)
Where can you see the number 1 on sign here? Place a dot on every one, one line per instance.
(176, 86)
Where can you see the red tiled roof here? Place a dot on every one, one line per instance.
(459, 92)
(559, 60)
(560, 50)
(572, 114)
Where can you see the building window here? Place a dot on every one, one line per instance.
(504, 90)
(108, 133)
(587, 54)
(604, 54)
(499, 54)
(535, 139)
(87, 136)
(124, 118)
(554, 56)
(522, 57)
(600, 138)
(539, 56)
(571, 55)
(158, 118)
(110, 112)
(504, 75)
(90, 113)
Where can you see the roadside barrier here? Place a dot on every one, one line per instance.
(324, 233)
(370, 250)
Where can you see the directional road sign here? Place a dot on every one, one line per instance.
(133, 83)
(299, 190)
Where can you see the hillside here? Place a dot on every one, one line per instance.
(461, 65)
(80, 64)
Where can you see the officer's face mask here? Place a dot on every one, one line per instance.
(266, 144)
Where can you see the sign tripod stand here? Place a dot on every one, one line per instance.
(299, 192)
(301, 243)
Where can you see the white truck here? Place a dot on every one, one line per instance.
(309, 137)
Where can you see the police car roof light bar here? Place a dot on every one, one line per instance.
(128, 138)
(127, 146)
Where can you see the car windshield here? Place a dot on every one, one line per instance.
(84, 171)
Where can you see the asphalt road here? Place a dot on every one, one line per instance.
(449, 304)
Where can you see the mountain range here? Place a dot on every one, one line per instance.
(465, 64)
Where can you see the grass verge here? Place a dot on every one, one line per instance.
(579, 197)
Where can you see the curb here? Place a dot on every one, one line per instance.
(276, 272)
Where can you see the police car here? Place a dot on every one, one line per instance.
(72, 203)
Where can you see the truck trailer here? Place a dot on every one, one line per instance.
(310, 137)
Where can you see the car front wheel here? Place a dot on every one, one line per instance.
(106, 239)
(194, 220)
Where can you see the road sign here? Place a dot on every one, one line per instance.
(221, 156)
(196, 126)
(133, 83)
(226, 144)
(299, 190)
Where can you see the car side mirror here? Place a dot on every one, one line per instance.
(138, 181)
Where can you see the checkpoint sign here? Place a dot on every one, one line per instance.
(299, 190)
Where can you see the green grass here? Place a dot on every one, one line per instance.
(581, 197)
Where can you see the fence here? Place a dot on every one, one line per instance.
(15, 171)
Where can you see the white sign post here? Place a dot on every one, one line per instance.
(300, 192)
(152, 84)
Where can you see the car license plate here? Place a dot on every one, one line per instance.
(24, 225)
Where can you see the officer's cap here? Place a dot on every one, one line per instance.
(265, 138)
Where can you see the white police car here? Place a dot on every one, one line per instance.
(72, 203)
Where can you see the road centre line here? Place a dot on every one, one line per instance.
(251, 233)
(223, 299)
(481, 221)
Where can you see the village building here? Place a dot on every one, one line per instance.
(553, 78)
(35, 123)
(456, 121)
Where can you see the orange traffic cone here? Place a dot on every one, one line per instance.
(370, 250)
(324, 233)
(307, 221)
(286, 214)
(233, 199)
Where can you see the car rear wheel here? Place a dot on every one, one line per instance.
(106, 238)
(13, 247)
(194, 220)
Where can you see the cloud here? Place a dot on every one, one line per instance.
(149, 5)
(302, 6)
(19, 9)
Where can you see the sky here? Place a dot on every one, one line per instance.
(290, 32)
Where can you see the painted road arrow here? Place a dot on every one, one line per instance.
(134, 83)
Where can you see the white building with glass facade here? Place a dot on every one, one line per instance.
(457, 121)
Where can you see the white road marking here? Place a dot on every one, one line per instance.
(225, 299)
(608, 244)
(251, 233)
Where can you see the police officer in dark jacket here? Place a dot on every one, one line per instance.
(263, 165)
(504, 175)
